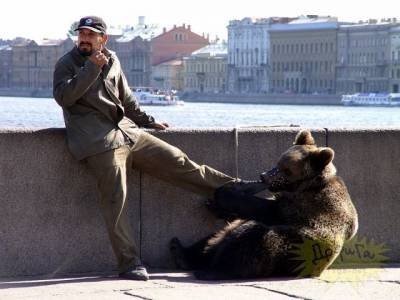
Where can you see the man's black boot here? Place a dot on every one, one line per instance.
(231, 199)
(243, 187)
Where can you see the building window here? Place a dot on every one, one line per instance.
(256, 54)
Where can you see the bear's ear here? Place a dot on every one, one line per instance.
(304, 137)
(321, 158)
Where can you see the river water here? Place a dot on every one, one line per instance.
(45, 113)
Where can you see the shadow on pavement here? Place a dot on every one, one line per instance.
(35, 282)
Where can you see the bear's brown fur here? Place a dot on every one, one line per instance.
(298, 233)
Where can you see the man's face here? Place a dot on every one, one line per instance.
(90, 41)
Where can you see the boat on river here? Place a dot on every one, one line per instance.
(148, 96)
(372, 99)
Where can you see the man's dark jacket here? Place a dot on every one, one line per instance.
(100, 111)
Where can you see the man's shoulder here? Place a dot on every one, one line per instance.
(67, 58)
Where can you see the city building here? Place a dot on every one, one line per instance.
(205, 71)
(363, 57)
(395, 59)
(135, 55)
(168, 75)
(248, 53)
(176, 43)
(133, 49)
(33, 63)
(303, 55)
(5, 66)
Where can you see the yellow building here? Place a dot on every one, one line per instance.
(205, 70)
(168, 75)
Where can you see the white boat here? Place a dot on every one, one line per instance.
(147, 96)
(372, 99)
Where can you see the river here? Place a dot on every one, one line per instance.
(45, 113)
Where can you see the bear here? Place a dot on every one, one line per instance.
(298, 231)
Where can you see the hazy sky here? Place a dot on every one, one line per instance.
(51, 19)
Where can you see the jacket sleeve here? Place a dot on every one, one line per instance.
(131, 105)
(68, 87)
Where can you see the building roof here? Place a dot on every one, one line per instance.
(5, 48)
(49, 42)
(214, 49)
(369, 25)
(307, 23)
(172, 62)
(260, 21)
(146, 32)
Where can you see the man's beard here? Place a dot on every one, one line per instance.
(85, 52)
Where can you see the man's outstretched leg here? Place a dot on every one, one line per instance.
(169, 163)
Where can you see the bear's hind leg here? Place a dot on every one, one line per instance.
(189, 258)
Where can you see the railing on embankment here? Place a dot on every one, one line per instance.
(50, 221)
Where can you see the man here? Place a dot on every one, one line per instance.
(102, 119)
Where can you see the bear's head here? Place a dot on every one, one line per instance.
(301, 163)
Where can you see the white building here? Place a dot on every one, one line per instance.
(395, 59)
(248, 55)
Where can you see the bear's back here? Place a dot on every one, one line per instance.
(325, 207)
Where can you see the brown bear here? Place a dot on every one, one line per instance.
(298, 232)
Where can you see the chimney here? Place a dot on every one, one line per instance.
(174, 26)
(164, 30)
(189, 28)
(183, 25)
(141, 20)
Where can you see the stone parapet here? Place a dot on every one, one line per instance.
(50, 222)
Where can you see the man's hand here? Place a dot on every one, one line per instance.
(98, 58)
(160, 126)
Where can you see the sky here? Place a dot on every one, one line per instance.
(36, 19)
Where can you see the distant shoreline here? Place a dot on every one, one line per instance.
(23, 92)
(294, 99)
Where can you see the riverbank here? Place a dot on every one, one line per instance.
(26, 92)
(295, 99)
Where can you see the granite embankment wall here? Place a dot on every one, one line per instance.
(50, 222)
